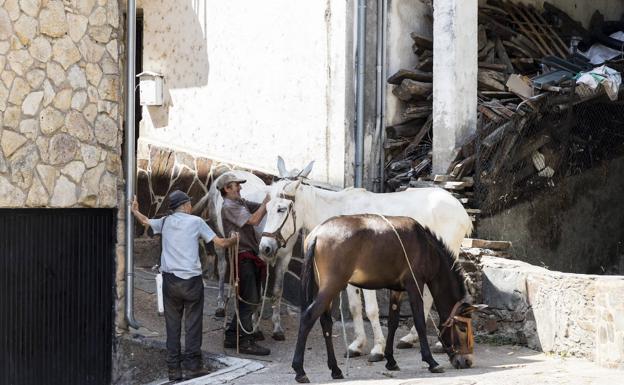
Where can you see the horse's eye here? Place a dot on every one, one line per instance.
(462, 328)
(281, 209)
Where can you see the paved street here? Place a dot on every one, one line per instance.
(496, 365)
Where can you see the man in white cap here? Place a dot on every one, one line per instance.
(240, 216)
(183, 287)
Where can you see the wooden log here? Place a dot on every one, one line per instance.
(403, 74)
(502, 55)
(562, 47)
(498, 134)
(464, 167)
(405, 130)
(412, 89)
(415, 111)
(486, 49)
(506, 148)
(481, 38)
(485, 244)
(492, 66)
(425, 65)
(542, 31)
(493, 25)
(422, 41)
(526, 44)
(486, 80)
(522, 51)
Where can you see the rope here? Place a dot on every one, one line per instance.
(234, 282)
(409, 265)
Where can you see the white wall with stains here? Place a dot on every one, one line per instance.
(248, 80)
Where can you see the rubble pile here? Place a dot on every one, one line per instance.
(545, 109)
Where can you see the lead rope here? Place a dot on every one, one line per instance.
(234, 282)
(409, 265)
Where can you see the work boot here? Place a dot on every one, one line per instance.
(175, 374)
(251, 347)
(198, 372)
(258, 335)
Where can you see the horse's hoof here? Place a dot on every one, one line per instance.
(375, 357)
(279, 336)
(352, 353)
(303, 379)
(220, 313)
(404, 345)
(437, 369)
(338, 375)
(393, 367)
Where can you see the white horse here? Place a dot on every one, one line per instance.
(254, 190)
(295, 205)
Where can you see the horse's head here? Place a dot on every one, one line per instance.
(457, 337)
(281, 219)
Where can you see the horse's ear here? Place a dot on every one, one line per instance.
(291, 188)
(306, 171)
(281, 167)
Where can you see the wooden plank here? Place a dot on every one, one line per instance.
(403, 74)
(562, 48)
(443, 178)
(491, 115)
(456, 186)
(511, 10)
(486, 244)
(506, 148)
(554, 46)
(518, 48)
(502, 54)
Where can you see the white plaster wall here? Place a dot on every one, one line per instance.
(248, 80)
(404, 17)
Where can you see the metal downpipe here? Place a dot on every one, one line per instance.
(380, 96)
(359, 95)
(130, 153)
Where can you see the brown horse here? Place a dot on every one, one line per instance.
(375, 252)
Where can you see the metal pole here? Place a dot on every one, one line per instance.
(130, 159)
(382, 140)
(359, 106)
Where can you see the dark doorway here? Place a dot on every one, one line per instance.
(56, 295)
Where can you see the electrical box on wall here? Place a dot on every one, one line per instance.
(150, 88)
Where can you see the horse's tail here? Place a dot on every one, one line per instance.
(307, 275)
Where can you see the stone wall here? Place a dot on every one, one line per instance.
(562, 313)
(60, 107)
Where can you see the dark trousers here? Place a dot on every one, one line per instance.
(249, 290)
(183, 297)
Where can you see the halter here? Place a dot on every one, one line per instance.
(277, 234)
(450, 324)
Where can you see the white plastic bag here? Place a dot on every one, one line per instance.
(159, 294)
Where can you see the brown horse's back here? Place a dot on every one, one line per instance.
(365, 251)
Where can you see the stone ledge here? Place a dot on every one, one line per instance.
(562, 313)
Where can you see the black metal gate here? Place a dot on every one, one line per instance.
(56, 295)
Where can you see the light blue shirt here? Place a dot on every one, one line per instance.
(180, 236)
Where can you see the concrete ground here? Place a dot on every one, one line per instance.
(495, 365)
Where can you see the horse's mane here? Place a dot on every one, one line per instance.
(446, 256)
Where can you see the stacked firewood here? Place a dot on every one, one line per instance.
(521, 110)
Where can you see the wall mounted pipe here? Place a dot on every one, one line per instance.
(359, 93)
(130, 153)
(380, 103)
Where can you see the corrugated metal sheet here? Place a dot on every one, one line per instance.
(56, 295)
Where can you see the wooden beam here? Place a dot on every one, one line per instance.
(485, 244)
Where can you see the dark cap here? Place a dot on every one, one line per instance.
(177, 198)
(228, 178)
